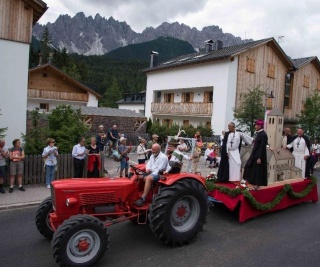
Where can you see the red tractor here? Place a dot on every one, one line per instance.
(77, 215)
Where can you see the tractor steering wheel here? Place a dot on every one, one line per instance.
(138, 171)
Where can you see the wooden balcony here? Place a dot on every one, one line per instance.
(56, 95)
(197, 109)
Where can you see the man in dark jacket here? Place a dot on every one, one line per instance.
(255, 170)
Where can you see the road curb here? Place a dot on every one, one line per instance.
(19, 205)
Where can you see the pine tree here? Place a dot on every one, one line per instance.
(112, 95)
(45, 45)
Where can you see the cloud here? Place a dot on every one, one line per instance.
(297, 21)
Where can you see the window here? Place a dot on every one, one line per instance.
(45, 75)
(185, 123)
(306, 81)
(271, 71)
(44, 106)
(187, 97)
(208, 124)
(169, 98)
(157, 97)
(288, 90)
(208, 97)
(167, 122)
(251, 65)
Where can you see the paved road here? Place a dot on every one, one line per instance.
(289, 237)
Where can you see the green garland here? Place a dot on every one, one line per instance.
(286, 189)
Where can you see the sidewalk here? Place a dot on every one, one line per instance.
(36, 193)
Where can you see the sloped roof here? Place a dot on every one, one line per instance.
(275, 112)
(74, 81)
(108, 112)
(300, 62)
(39, 8)
(221, 54)
(281, 154)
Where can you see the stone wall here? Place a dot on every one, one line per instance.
(124, 124)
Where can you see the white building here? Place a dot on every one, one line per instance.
(15, 39)
(134, 102)
(203, 88)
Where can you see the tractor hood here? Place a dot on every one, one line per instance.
(78, 184)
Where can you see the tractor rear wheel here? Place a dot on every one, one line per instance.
(178, 211)
(80, 241)
(42, 218)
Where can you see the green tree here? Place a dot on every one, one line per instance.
(112, 95)
(309, 119)
(72, 71)
(3, 131)
(251, 109)
(66, 126)
(45, 45)
(35, 139)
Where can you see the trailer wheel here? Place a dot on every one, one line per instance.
(80, 241)
(178, 212)
(42, 218)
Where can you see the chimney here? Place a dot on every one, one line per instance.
(218, 45)
(208, 45)
(153, 59)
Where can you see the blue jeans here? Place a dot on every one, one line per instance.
(49, 174)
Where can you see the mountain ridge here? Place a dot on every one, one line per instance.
(98, 35)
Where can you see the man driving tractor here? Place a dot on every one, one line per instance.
(158, 162)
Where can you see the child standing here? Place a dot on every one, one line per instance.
(196, 156)
(124, 150)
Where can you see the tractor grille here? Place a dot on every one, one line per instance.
(98, 198)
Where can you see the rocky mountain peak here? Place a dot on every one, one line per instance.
(98, 35)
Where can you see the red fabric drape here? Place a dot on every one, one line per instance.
(91, 160)
(246, 211)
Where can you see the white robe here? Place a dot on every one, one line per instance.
(233, 143)
(300, 150)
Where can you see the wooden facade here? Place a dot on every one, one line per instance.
(17, 18)
(47, 82)
(196, 108)
(300, 90)
(269, 73)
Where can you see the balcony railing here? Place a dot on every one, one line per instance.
(46, 94)
(200, 109)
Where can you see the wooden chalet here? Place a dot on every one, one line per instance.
(49, 87)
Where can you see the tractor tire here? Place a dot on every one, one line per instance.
(42, 218)
(81, 240)
(178, 212)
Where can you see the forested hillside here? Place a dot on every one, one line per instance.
(112, 74)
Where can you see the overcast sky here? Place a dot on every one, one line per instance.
(297, 20)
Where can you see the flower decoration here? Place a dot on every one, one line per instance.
(212, 176)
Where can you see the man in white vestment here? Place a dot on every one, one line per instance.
(230, 155)
(301, 152)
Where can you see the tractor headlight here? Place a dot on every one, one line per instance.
(71, 201)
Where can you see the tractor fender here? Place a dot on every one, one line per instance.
(172, 178)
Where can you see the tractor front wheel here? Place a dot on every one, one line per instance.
(42, 218)
(178, 212)
(80, 241)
